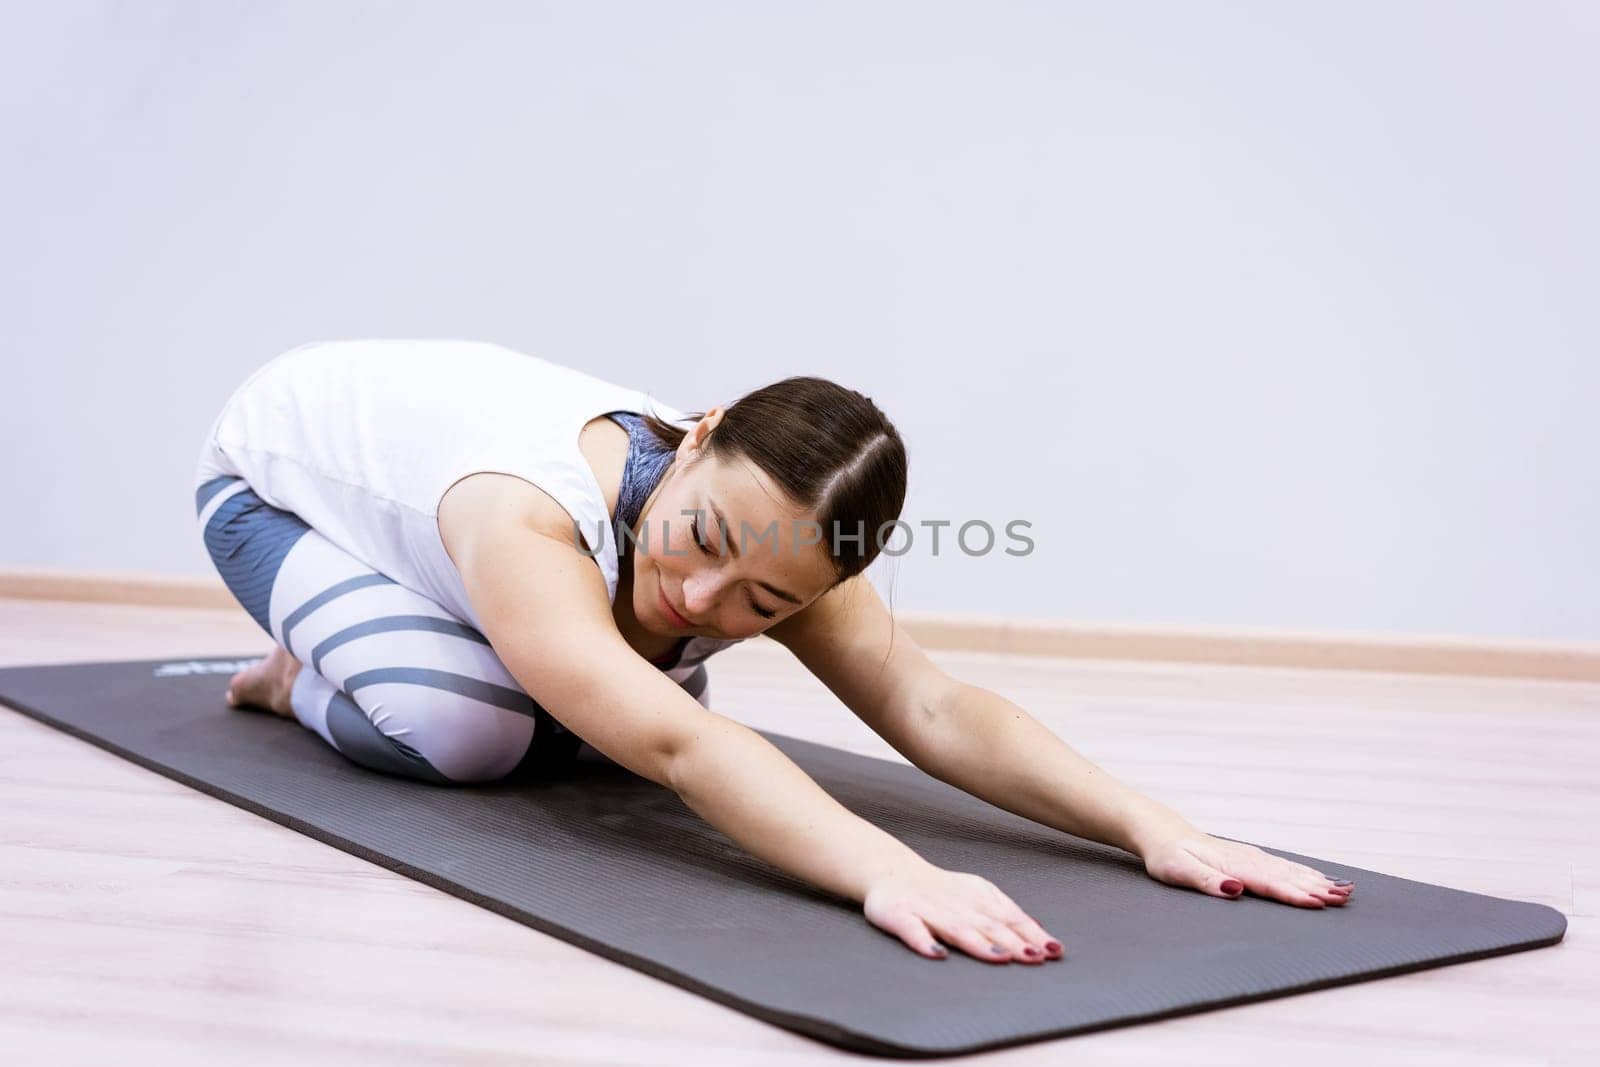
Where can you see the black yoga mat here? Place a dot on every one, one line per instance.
(594, 855)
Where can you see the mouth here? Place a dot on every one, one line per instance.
(666, 609)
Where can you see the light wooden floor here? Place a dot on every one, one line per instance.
(143, 921)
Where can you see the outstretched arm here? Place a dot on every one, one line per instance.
(544, 609)
(983, 743)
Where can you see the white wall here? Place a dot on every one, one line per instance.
(1263, 314)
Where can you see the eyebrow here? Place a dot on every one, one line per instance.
(722, 523)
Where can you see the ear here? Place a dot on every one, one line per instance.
(694, 441)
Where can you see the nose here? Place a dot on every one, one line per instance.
(699, 593)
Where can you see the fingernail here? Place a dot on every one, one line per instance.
(937, 950)
(1030, 951)
(1232, 886)
(998, 950)
(1053, 946)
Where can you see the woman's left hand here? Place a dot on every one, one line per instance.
(1222, 868)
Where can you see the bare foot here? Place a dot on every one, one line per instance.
(266, 684)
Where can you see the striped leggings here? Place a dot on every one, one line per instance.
(388, 678)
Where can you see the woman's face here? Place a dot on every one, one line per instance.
(691, 563)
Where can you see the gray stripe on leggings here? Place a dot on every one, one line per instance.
(356, 737)
(389, 624)
(248, 540)
(209, 489)
(339, 589)
(489, 693)
(219, 498)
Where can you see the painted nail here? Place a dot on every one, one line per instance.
(1232, 886)
(1030, 951)
(1053, 946)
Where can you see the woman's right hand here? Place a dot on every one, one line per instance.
(925, 905)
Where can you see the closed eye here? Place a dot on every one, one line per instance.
(694, 528)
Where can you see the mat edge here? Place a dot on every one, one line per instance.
(825, 1031)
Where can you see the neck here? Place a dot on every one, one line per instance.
(622, 611)
(644, 508)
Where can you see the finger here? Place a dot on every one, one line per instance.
(1291, 887)
(1287, 871)
(1287, 893)
(971, 939)
(915, 933)
(1329, 896)
(1022, 926)
(1030, 931)
(1308, 880)
(1001, 934)
(1327, 890)
(1189, 870)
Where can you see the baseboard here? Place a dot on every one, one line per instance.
(115, 587)
(1222, 645)
(1574, 661)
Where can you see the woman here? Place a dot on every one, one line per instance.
(472, 558)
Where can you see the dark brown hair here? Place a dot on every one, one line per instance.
(831, 450)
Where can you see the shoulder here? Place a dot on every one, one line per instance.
(530, 584)
(486, 505)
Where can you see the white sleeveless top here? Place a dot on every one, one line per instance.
(361, 438)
